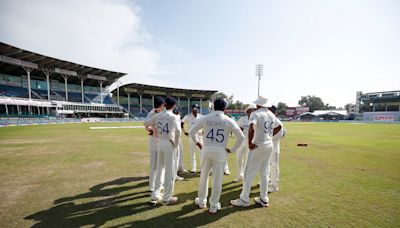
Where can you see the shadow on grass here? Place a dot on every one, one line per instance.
(94, 211)
(183, 218)
(115, 202)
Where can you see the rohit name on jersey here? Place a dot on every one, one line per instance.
(216, 123)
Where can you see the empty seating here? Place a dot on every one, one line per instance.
(12, 91)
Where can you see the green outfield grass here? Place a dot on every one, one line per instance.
(69, 176)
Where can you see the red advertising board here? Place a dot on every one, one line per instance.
(384, 118)
(295, 111)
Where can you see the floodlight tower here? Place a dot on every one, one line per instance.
(259, 73)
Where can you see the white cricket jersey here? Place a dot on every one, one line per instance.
(244, 123)
(278, 135)
(264, 123)
(167, 125)
(151, 114)
(217, 126)
(191, 120)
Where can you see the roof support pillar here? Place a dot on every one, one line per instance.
(152, 100)
(101, 91)
(201, 106)
(66, 85)
(188, 106)
(82, 90)
(6, 109)
(129, 104)
(140, 103)
(28, 72)
(47, 72)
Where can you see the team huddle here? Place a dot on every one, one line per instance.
(257, 136)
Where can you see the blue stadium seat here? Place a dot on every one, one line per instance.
(74, 97)
(42, 93)
(107, 100)
(13, 91)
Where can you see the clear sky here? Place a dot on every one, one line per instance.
(325, 48)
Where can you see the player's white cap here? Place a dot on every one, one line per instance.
(261, 101)
(250, 106)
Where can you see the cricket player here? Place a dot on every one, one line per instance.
(152, 144)
(191, 119)
(168, 130)
(274, 165)
(262, 127)
(179, 151)
(242, 153)
(217, 127)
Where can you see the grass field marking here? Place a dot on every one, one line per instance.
(119, 127)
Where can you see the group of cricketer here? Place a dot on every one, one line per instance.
(257, 136)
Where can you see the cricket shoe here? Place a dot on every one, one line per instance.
(272, 189)
(261, 202)
(227, 172)
(182, 171)
(172, 201)
(179, 178)
(200, 204)
(237, 179)
(155, 200)
(240, 203)
(214, 209)
(193, 170)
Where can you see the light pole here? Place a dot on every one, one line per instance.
(259, 73)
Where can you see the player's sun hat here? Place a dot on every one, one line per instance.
(250, 106)
(261, 101)
(195, 106)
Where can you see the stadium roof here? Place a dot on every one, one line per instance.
(326, 112)
(12, 60)
(167, 91)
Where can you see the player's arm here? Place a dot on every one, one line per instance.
(177, 132)
(240, 123)
(151, 121)
(193, 133)
(251, 136)
(148, 120)
(277, 126)
(184, 120)
(252, 124)
(239, 138)
(277, 129)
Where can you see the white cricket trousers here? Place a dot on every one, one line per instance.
(218, 173)
(193, 148)
(241, 158)
(257, 161)
(180, 165)
(165, 161)
(274, 166)
(153, 161)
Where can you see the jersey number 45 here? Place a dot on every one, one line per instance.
(218, 136)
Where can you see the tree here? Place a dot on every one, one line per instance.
(313, 102)
(281, 109)
(347, 107)
(330, 107)
(231, 103)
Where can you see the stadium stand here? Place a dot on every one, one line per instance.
(33, 85)
(138, 98)
(381, 106)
